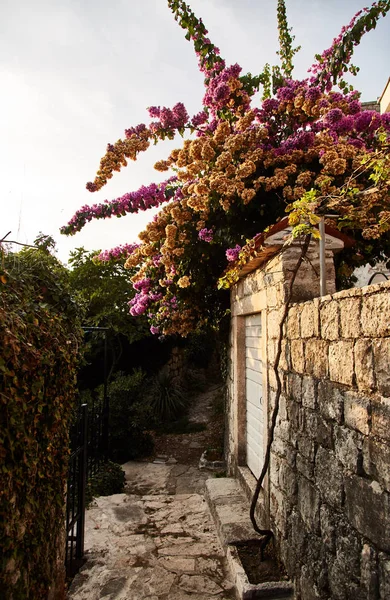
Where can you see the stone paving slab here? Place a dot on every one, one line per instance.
(157, 541)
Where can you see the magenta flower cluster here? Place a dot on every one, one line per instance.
(358, 127)
(146, 295)
(218, 90)
(206, 235)
(143, 285)
(132, 202)
(199, 119)
(137, 130)
(232, 253)
(156, 260)
(139, 304)
(174, 119)
(122, 251)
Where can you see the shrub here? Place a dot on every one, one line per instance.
(130, 416)
(183, 426)
(195, 380)
(109, 480)
(200, 348)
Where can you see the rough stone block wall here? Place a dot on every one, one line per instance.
(175, 365)
(329, 485)
(327, 495)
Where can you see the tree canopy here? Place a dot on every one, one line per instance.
(307, 150)
(103, 288)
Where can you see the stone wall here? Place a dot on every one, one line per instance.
(175, 365)
(330, 466)
(327, 495)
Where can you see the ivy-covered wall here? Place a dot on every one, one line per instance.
(39, 344)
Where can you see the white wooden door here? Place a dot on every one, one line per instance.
(254, 394)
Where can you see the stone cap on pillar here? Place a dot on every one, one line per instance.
(268, 244)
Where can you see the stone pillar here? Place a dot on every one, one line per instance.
(236, 396)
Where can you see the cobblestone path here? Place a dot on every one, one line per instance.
(157, 541)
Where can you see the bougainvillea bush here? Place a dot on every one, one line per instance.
(307, 149)
(40, 337)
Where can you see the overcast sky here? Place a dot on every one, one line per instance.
(75, 73)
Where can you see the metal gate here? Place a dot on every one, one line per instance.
(89, 447)
(75, 495)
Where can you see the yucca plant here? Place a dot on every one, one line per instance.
(167, 397)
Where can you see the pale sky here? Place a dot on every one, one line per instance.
(76, 73)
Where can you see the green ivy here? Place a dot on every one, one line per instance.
(40, 336)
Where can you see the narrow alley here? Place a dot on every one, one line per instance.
(155, 541)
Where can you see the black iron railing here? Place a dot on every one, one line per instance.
(89, 439)
(75, 496)
(97, 439)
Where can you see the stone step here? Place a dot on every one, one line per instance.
(230, 510)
